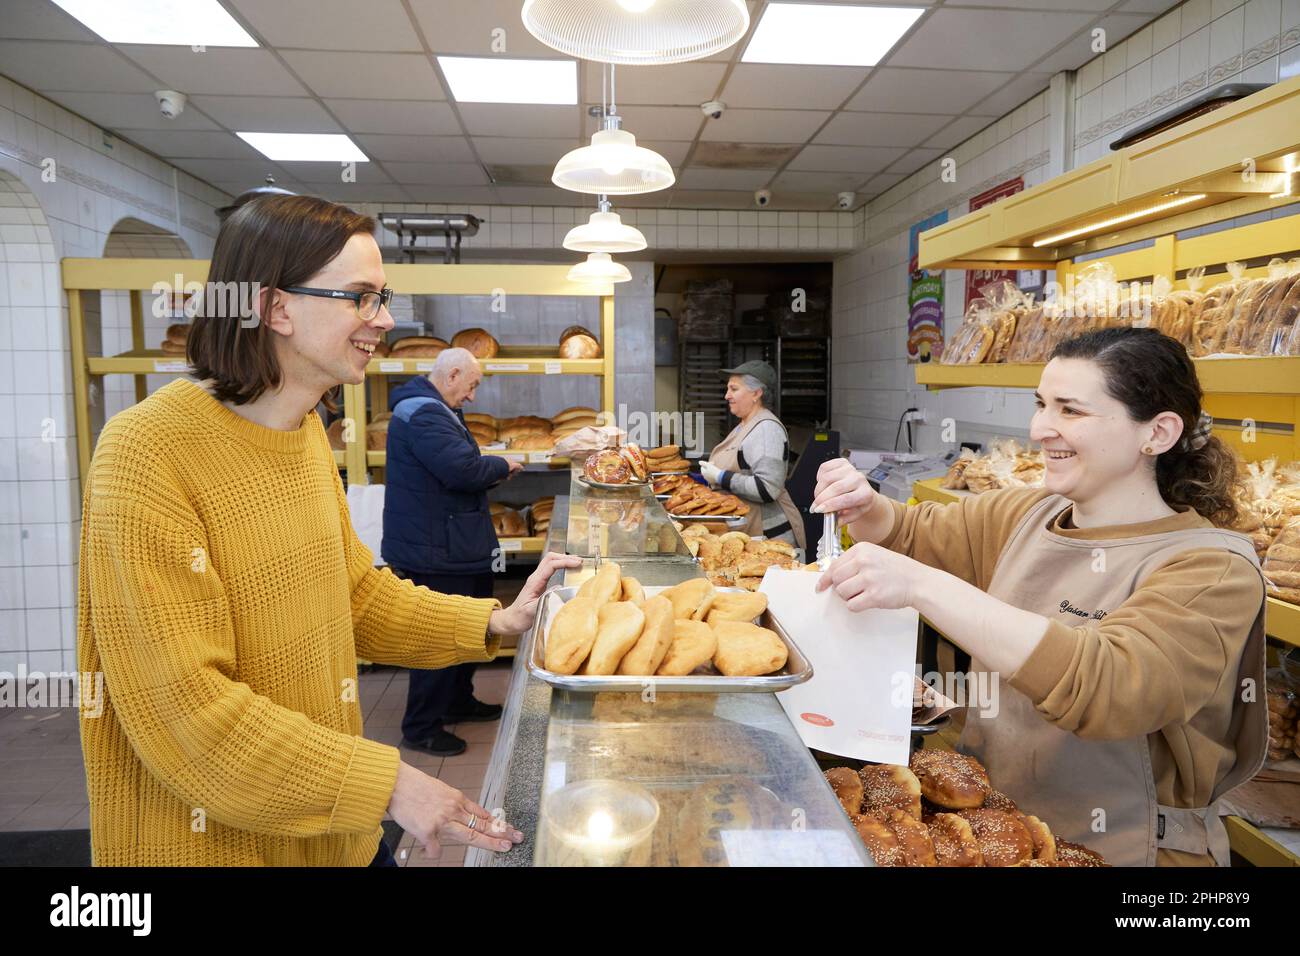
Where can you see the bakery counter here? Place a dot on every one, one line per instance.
(656, 779)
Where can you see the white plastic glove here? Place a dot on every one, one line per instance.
(711, 472)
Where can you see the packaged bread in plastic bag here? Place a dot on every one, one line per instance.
(974, 338)
(1245, 304)
(1282, 563)
(1211, 316)
(1009, 306)
(1175, 321)
(1271, 330)
(1283, 713)
(1035, 333)
(1255, 507)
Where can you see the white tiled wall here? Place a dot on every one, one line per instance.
(873, 382)
(64, 186)
(1195, 46)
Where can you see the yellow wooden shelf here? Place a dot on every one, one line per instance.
(1256, 847)
(531, 545)
(511, 360)
(138, 362)
(1185, 176)
(1282, 621)
(1273, 376)
(340, 458)
(930, 490)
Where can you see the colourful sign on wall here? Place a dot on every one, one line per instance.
(977, 279)
(924, 299)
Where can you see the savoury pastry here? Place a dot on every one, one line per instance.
(747, 650)
(645, 656)
(618, 626)
(632, 591)
(1041, 834)
(604, 586)
(573, 632)
(733, 606)
(1003, 839)
(1076, 854)
(880, 840)
(693, 644)
(887, 786)
(847, 785)
(949, 779)
(997, 800)
(688, 596)
(913, 838)
(954, 841)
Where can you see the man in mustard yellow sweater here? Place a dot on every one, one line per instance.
(225, 597)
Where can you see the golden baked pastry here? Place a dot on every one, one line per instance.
(693, 644)
(632, 591)
(618, 626)
(604, 586)
(377, 435)
(532, 443)
(607, 467)
(880, 840)
(572, 634)
(574, 412)
(644, 657)
(747, 650)
(728, 803)
(847, 786)
(954, 841)
(1076, 854)
(913, 837)
(335, 435)
(397, 349)
(478, 341)
(997, 800)
(687, 596)
(949, 779)
(1041, 834)
(168, 347)
(509, 524)
(732, 606)
(887, 785)
(1003, 839)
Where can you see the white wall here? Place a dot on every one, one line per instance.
(1195, 46)
(96, 183)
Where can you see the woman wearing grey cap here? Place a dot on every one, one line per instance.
(751, 462)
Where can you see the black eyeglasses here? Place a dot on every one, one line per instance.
(367, 303)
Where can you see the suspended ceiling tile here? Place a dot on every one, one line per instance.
(328, 173)
(516, 149)
(847, 159)
(509, 119)
(480, 28)
(771, 85)
(827, 183)
(438, 174)
(135, 111)
(880, 129)
(415, 149)
(702, 178)
(680, 84)
(174, 144)
(75, 67)
(42, 20)
(958, 131)
(222, 71)
(374, 28)
(406, 75)
(968, 39)
(764, 126)
(650, 123)
(406, 117)
(1013, 94)
(267, 114)
(906, 90)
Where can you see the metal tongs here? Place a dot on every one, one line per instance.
(828, 548)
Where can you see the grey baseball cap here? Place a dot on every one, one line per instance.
(760, 370)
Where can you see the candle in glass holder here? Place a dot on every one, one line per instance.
(598, 823)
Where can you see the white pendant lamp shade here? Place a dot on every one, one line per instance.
(613, 164)
(604, 232)
(599, 267)
(637, 32)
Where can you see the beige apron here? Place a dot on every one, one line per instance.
(1078, 785)
(726, 455)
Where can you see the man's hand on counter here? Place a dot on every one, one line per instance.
(438, 814)
(518, 617)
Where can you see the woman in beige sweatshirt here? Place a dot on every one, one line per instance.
(1123, 624)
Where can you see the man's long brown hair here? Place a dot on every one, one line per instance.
(273, 242)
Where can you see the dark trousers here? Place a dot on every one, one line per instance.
(434, 694)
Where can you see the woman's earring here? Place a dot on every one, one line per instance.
(1146, 449)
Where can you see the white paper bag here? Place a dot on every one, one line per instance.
(366, 507)
(858, 703)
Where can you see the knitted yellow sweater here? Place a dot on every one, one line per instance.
(225, 598)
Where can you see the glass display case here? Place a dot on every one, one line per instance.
(620, 523)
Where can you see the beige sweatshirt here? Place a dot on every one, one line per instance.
(1162, 664)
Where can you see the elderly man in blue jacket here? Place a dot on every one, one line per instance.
(438, 530)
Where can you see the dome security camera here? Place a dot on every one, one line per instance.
(845, 200)
(170, 103)
(762, 197)
(713, 108)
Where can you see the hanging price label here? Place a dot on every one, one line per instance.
(539, 457)
(424, 366)
(511, 544)
(552, 368)
(392, 366)
(506, 367)
(171, 367)
(516, 456)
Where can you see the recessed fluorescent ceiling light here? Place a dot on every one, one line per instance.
(495, 80)
(827, 35)
(305, 147)
(167, 22)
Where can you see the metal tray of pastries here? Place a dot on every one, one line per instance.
(705, 678)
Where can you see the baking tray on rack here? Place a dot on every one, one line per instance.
(611, 486)
(731, 521)
(797, 667)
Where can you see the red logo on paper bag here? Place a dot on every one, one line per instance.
(818, 720)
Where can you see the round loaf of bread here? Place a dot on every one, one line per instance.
(949, 779)
(532, 443)
(1003, 839)
(847, 786)
(416, 341)
(477, 341)
(580, 346)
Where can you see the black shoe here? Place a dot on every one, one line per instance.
(478, 713)
(441, 743)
